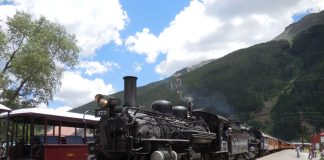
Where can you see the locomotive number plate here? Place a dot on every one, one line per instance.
(101, 112)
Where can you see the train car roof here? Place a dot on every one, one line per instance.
(52, 116)
(300, 143)
(268, 136)
(3, 108)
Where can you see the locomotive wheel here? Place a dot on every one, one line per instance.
(227, 156)
(112, 156)
(100, 156)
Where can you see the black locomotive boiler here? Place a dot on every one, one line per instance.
(167, 132)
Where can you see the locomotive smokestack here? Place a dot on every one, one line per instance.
(130, 91)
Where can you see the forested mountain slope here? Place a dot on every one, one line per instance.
(277, 86)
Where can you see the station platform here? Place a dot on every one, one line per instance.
(289, 154)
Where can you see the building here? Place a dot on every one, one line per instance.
(317, 140)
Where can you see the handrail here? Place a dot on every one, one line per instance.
(83, 119)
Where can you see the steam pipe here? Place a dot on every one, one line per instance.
(189, 114)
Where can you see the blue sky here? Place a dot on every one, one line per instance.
(147, 14)
(153, 39)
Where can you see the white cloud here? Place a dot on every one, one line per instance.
(237, 21)
(60, 109)
(95, 67)
(138, 67)
(76, 90)
(6, 10)
(95, 23)
(138, 44)
(63, 109)
(42, 105)
(213, 28)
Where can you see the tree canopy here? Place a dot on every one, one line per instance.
(33, 56)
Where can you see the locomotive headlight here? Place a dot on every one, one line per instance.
(101, 101)
(109, 102)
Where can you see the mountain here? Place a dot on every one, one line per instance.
(305, 23)
(277, 86)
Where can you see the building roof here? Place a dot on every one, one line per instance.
(4, 108)
(53, 117)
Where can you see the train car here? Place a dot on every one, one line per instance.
(284, 145)
(4, 142)
(290, 145)
(273, 143)
(29, 138)
(281, 144)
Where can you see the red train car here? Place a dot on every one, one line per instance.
(4, 140)
(29, 137)
(285, 145)
(273, 143)
(317, 140)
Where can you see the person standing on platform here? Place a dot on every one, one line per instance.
(322, 154)
(310, 152)
(298, 150)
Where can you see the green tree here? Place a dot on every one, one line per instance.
(33, 55)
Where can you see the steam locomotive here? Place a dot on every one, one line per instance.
(168, 132)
